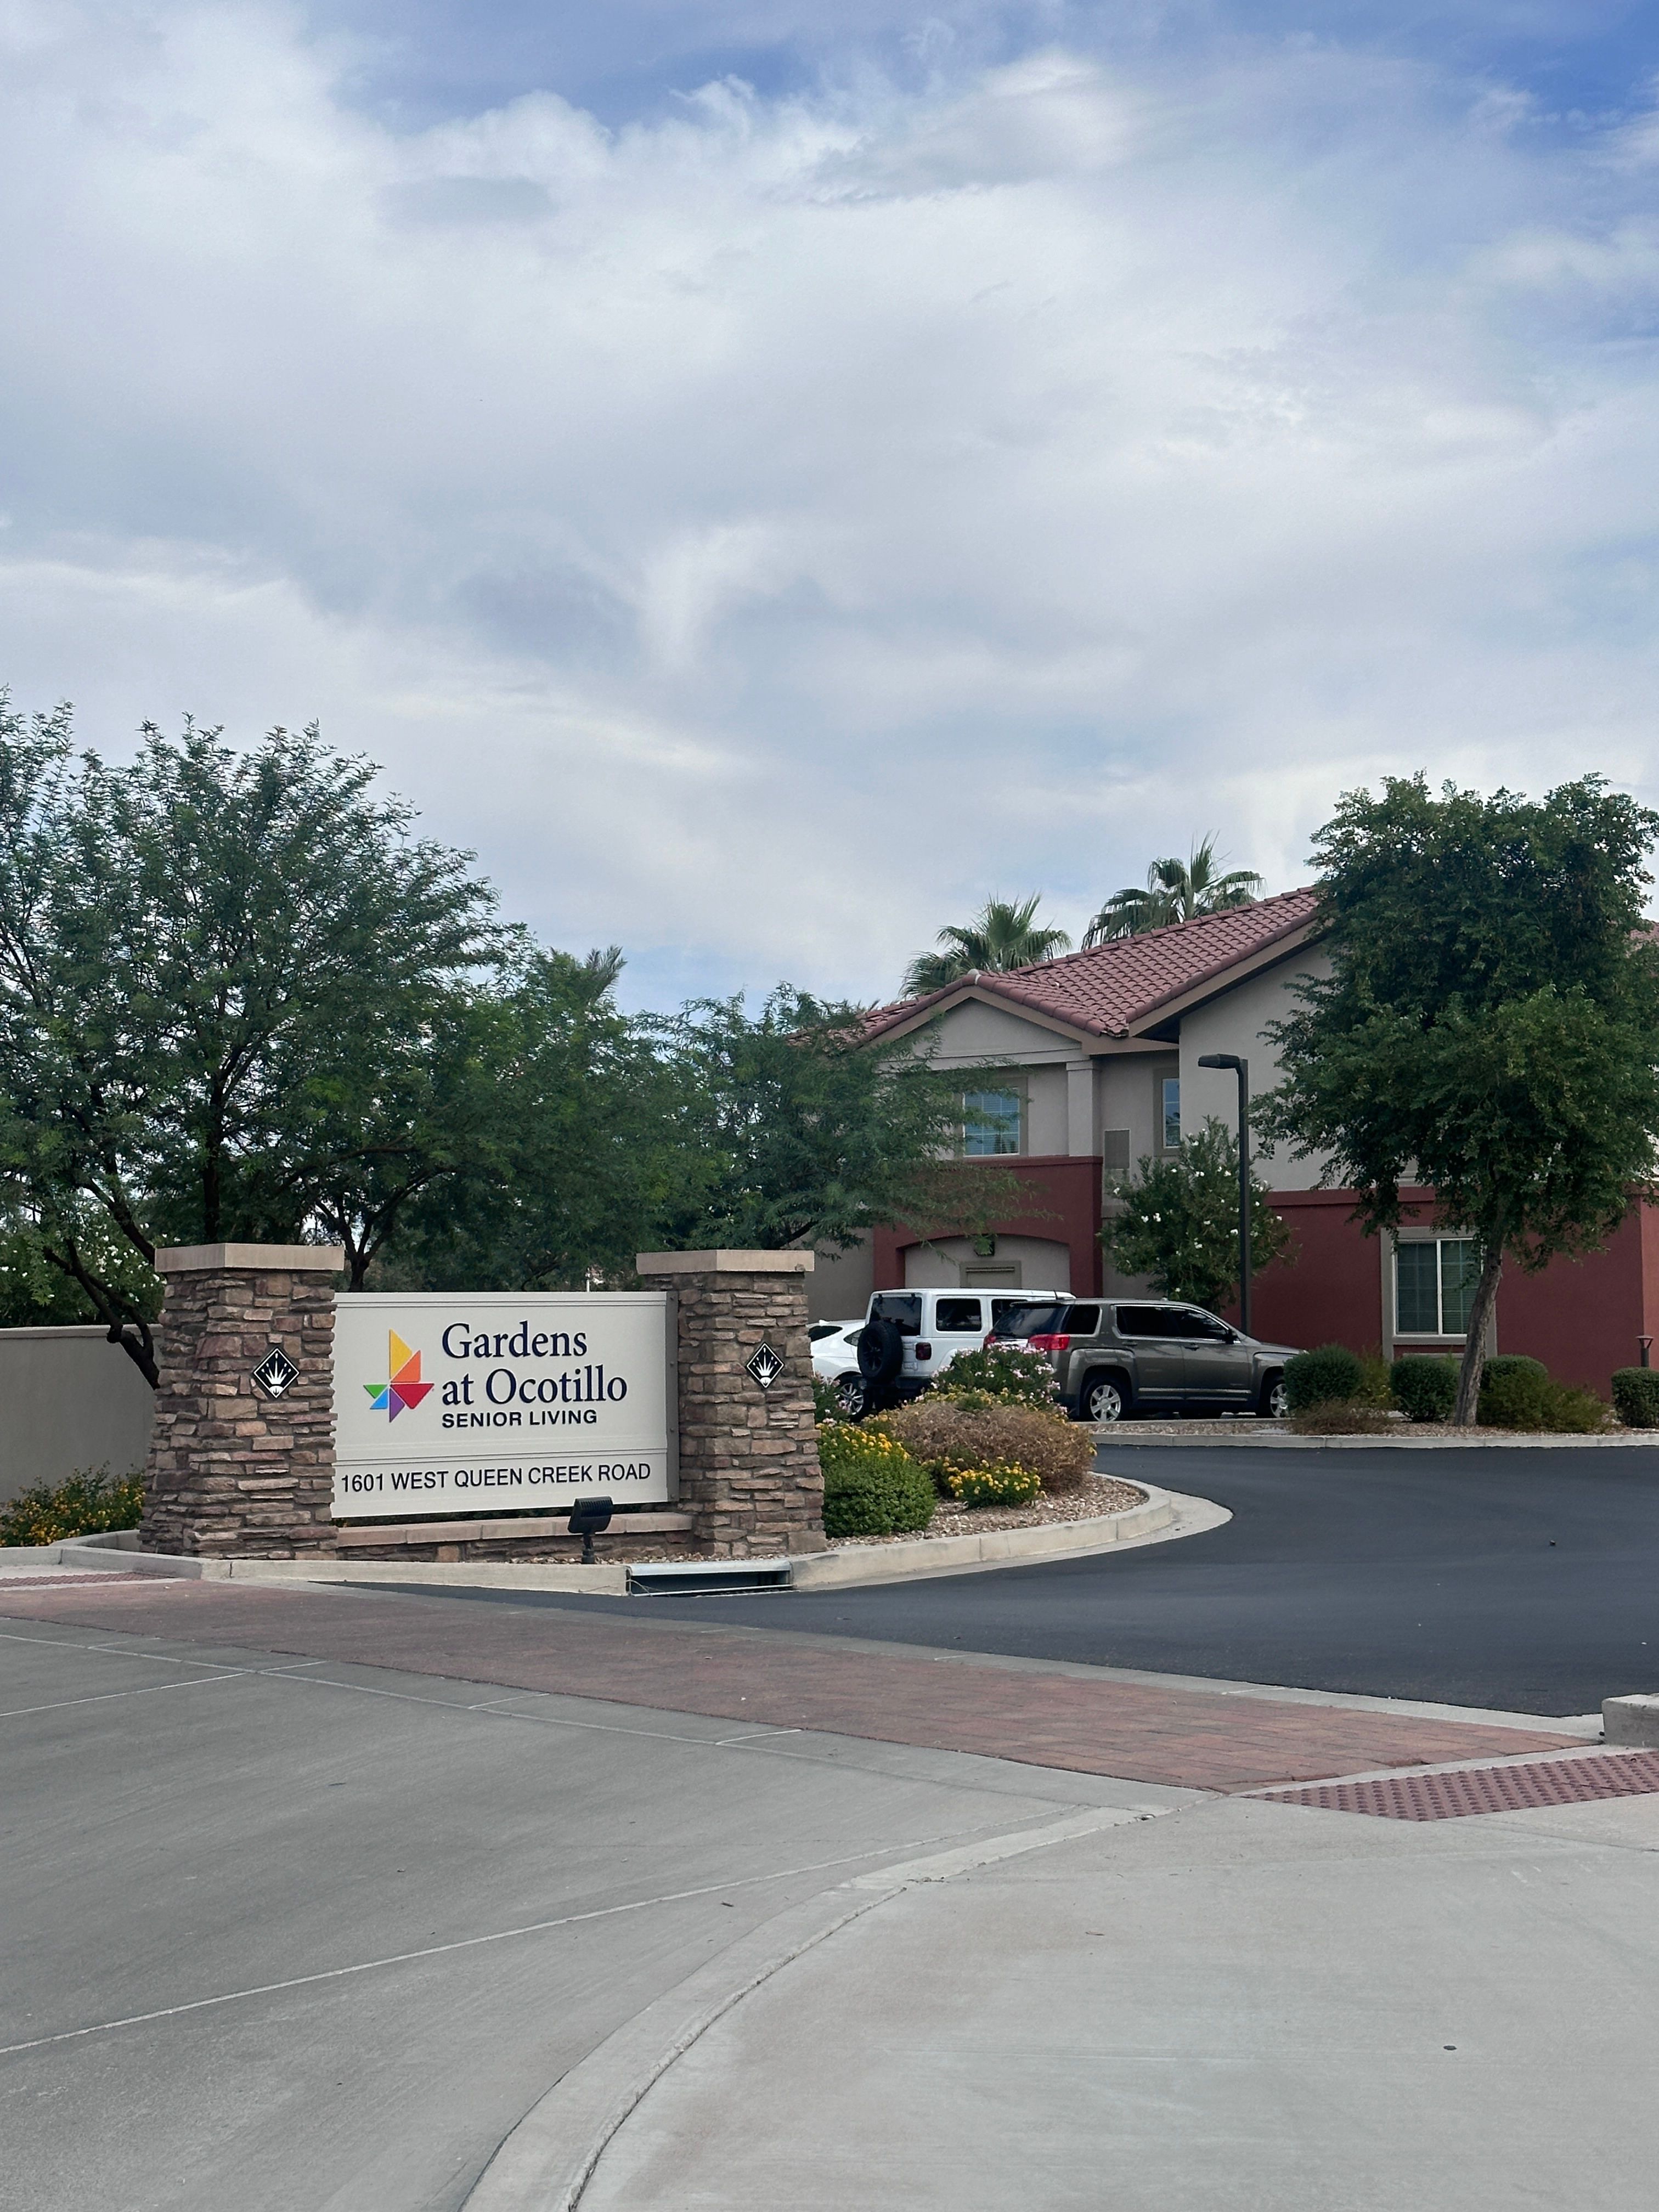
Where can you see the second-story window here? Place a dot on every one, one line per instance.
(991, 1123)
(1169, 1114)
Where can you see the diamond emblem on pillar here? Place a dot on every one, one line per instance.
(275, 1373)
(765, 1364)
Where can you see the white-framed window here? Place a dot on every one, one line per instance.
(993, 1122)
(1435, 1279)
(1169, 1113)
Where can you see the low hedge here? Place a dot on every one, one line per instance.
(1636, 1396)
(949, 1437)
(85, 1504)
(1329, 1372)
(1518, 1393)
(872, 1485)
(1000, 1482)
(1425, 1388)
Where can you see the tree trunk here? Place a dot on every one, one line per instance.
(1474, 1345)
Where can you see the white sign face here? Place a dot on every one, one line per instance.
(504, 1402)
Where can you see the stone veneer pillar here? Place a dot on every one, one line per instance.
(749, 1456)
(233, 1471)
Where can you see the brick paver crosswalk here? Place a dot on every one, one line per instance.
(1207, 1740)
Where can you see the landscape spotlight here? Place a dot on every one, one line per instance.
(589, 1517)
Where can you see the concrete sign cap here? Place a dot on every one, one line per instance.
(723, 1263)
(295, 1259)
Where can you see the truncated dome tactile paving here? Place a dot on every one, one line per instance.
(1520, 1786)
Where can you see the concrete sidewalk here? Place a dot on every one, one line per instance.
(321, 1900)
(1239, 2005)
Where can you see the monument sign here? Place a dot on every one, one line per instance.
(501, 1402)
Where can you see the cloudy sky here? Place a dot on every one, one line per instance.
(769, 487)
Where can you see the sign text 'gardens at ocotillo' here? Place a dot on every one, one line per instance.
(499, 1403)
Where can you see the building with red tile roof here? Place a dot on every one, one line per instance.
(1077, 1071)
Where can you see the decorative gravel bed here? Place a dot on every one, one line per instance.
(1100, 1494)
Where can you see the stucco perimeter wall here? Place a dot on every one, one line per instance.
(71, 1399)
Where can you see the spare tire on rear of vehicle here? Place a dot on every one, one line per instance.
(881, 1354)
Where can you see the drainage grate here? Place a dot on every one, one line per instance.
(1514, 1788)
(698, 1578)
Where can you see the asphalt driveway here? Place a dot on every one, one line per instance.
(1523, 1580)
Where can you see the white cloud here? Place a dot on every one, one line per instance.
(765, 531)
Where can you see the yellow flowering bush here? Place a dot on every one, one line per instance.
(872, 1485)
(83, 1505)
(998, 1483)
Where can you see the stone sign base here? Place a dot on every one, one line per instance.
(233, 1471)
(241, 1461)
(650, 1535)
(749, 1476)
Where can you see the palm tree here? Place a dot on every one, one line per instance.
(1001, 935)
(1177, 890)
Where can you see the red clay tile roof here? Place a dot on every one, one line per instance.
(1108, 991)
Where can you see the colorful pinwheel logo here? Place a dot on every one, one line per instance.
(405, 1389)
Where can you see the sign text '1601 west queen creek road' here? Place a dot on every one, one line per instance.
(499, 1403)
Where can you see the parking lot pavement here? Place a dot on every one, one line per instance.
(1522, 1579)
(1240, 2005)
(286, 1933)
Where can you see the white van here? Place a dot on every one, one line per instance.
(935, 1326)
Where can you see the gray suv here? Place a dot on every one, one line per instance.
(1118, 1356)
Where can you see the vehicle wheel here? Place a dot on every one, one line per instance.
(848, 1391)
(1275, 1399)
(1105, 1398)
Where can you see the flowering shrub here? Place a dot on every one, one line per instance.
(1000, 1373)
(84, 1503)
(998, 1483)
(872, 1485)
(950, 1435)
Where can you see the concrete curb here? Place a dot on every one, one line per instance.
(1117, 1433)
(1005, 1547)
(114, 1552)
(1163, 1518)
(547, 2161)
(1631, 1722)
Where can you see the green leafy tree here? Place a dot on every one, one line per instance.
(1490, 1025)
(1179, 1221)
(193, 947)
(1174, 890)
(1001, 936)
(34, 1294)
(792, 1130)
(579, 1138)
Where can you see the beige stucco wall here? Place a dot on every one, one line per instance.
(1235, 1022)
(951, 1262)
(973, 1032)
(839, 1286)
(68, 1399)
(1127, 1087)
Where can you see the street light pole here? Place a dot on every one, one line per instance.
(1241, 1069)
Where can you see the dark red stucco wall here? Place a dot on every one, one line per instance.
(1061, 1196)
(1583, 1318)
